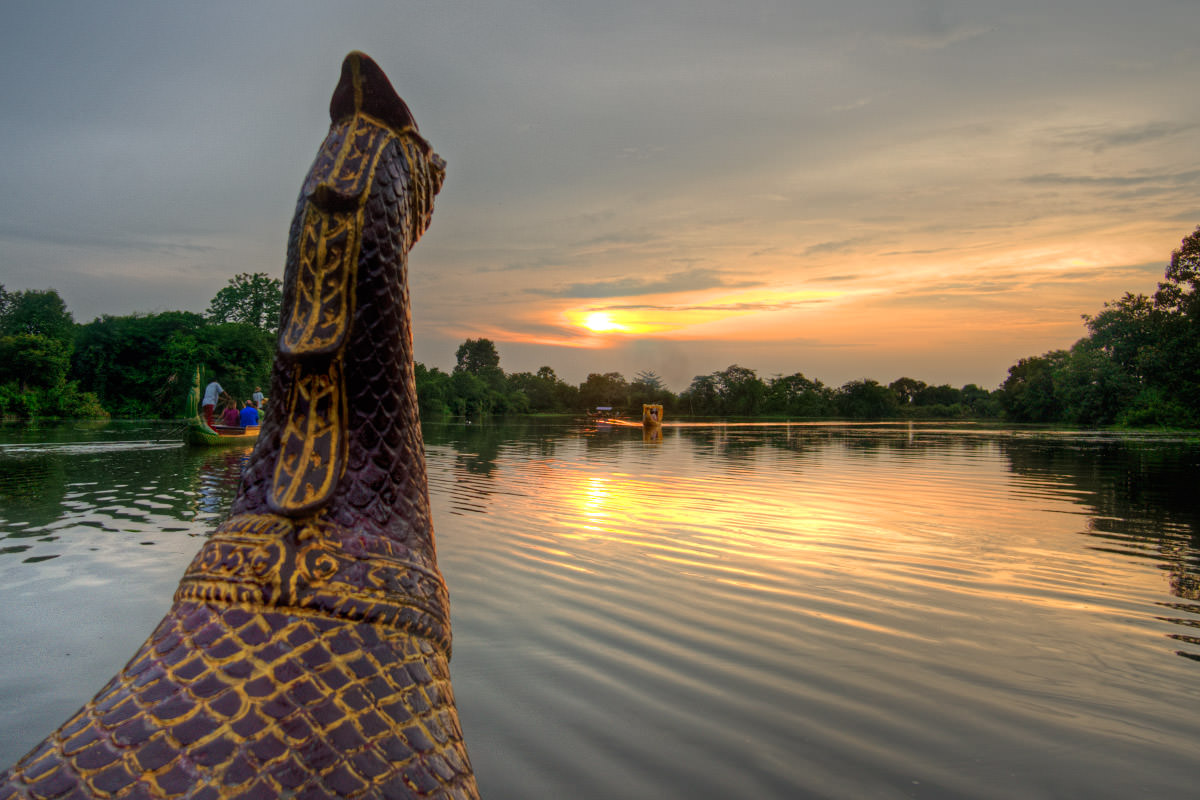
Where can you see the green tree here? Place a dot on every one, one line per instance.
(647, 387)
(648, 379)
(1180, 291)
(470, 394)
(741, 391)
(239, 355)
(1130, 331)
(34, 361)
(1029, 393)
(36, 311)
(37, 336)
(607, 389)
(477, 356)
(943, 395)
(543, 390)
(866, 399)
(907, 389)
(433, 391)
(702, 396)
(979, 402)
(253, 299)
(797, 396)
(1091, 386)
(141, 365)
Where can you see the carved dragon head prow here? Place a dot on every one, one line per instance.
(338, 475)
(306, 652)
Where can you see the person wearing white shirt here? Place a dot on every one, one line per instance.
(212, 393)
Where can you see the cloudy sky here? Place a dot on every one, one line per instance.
(848, 189)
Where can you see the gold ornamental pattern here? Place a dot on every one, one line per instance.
(268, 561)
(312, 443)
(330, 240)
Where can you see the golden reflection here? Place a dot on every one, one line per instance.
(595, 496)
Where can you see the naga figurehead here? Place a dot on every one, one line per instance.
(306, 652)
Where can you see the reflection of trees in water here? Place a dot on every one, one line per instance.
(478, 448)
(722, 442)
(25, 485)
(215, 476)
(57, 491)
(478, 445)
(1142, 497)
(733, 442)
(602, 437)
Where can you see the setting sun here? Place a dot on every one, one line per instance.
(600, 322)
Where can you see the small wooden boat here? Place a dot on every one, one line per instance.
(652, 415)
(199, 432)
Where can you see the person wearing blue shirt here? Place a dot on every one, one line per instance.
(249, 414)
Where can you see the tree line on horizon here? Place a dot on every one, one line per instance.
(478, 386)
(1139, 366)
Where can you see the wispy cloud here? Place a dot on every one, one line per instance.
(1099, 138)
(686, 281)
(736, 307)
(836, 246)
(940, 37)
(1162, 178)
(101, 241)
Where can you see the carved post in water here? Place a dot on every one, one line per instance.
(306, 652)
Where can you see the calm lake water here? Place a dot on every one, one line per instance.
(729, 612)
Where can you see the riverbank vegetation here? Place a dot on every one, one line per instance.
(137, 365)
(1138, 366)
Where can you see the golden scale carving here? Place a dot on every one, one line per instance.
(302, 657)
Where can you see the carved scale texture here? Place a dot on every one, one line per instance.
(246, 703)
(384, 492)
(303, 658)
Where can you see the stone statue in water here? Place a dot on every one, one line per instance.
(306, 652)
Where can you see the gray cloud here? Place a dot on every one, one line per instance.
(839, 246)
(108, 241)
(686, 281)
(758, 306)
(1099, 138)
(1164, 179)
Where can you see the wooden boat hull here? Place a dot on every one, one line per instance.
(201, 435)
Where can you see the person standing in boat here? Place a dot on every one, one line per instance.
(212, 393)
(249, 414)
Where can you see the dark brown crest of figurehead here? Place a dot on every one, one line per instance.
(306, 653)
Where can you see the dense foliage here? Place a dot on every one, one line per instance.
(480, 386)
(140, 365)
(1139, 365)
(37, 340)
